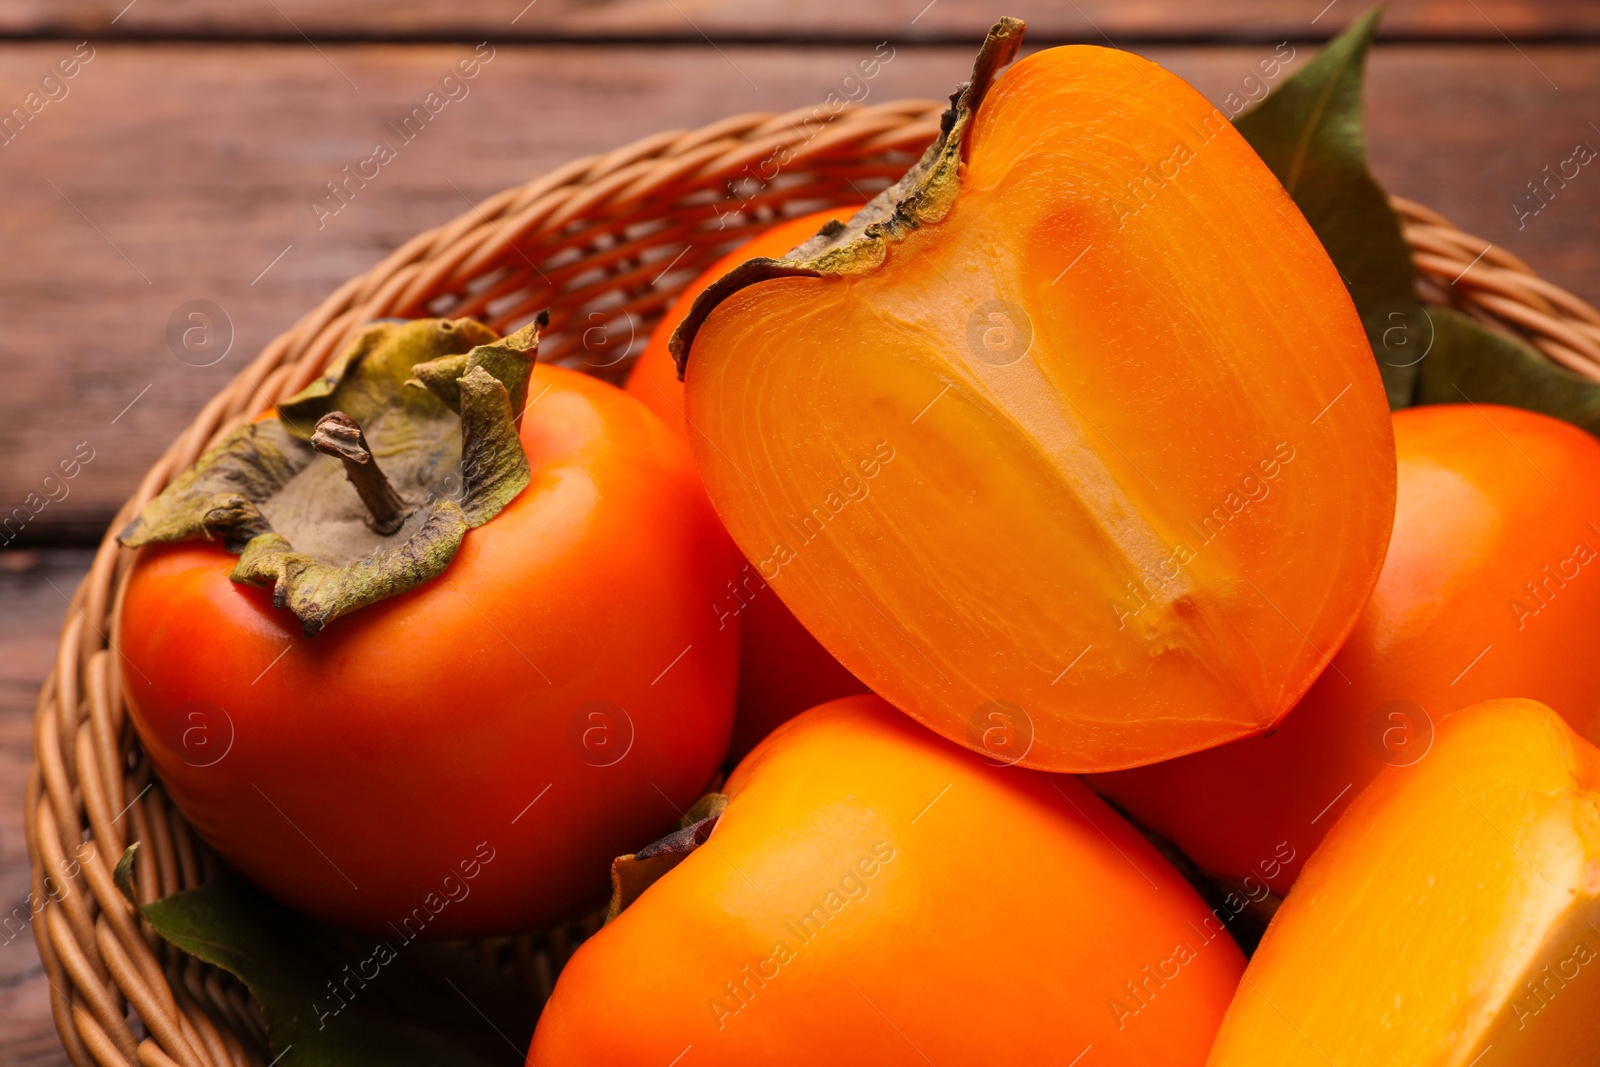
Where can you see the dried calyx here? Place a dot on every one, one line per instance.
(363, 485)
(922, 196)
(632, 874)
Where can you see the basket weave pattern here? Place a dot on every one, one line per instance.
(605, 243)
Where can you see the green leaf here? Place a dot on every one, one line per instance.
(1470, 363)
(342, 1000)
(122, 874)
(1309, 133)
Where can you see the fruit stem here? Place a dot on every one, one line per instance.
(340, 436)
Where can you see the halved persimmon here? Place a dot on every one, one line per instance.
(1073, 439)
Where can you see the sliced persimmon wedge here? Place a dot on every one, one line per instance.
(1451, 918)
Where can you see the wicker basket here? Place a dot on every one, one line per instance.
(605, 242)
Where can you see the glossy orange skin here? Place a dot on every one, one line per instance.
(1488, 497)
(1104, 445)
(782, 669)
(972, 914)
(367, 772)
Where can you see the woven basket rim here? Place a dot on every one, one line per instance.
(89, 790)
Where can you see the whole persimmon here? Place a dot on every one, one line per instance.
(1074, 433)
(873, 894)
(1491, 589)
(782, 669)
(1450, 919)
(400, 653)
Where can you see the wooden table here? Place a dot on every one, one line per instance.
(181, 160)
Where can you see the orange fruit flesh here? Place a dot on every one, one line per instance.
(1451, 917)
(1152, 526)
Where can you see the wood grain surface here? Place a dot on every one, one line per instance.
(693, 21)
(183, 159)
(34, 592)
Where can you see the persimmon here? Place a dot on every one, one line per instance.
(452, 727)
(782, 669)
(1486, 592)
(1450, 916)
(873, 894)
(1076, 427)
